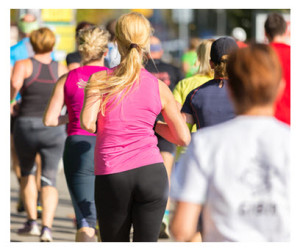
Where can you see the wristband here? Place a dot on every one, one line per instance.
(12, 101)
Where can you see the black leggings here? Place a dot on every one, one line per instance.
(136, 197)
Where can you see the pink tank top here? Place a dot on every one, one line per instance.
(125, 136)
(74, 97)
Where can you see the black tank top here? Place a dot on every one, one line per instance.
(37, 88)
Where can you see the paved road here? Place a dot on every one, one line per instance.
(63, 229)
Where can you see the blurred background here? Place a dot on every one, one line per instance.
(174, 27)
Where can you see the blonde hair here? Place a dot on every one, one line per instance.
(133, 33)
(203, 54)
(42, 40)
(92, 43)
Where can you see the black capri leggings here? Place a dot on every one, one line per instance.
(136, 197)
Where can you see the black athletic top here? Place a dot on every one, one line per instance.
(37, 88)
(209, 104)
(167, 73)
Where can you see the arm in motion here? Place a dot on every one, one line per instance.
(52, 115)
(175, 129)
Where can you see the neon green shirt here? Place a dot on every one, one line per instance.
(180, 92)
(190, 58)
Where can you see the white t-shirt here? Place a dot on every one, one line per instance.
(239, 172)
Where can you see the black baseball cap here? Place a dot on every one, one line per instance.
(222, 46)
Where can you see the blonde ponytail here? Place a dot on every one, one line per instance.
(133, 33)
(203, 54)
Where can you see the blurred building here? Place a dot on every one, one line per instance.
(173, 27)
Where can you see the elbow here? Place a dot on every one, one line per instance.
(179, 234)
(87, 126)
(185, 140)
(49, 122)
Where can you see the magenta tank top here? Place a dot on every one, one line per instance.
(74, 96)
(125, 136)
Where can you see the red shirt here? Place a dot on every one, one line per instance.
(283, 103)
(241, 44)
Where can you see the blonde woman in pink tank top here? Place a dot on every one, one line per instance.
(121, 106)
(80, 144)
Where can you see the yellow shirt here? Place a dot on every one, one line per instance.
(185, 86)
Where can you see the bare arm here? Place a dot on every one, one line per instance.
(185, 220)
(189, 119)
(90, 109)
(52, 115)
(16, 82)
(17, 78)
(175, 129)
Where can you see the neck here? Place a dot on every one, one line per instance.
(260, 111)
(99, 62)
(219, 77)
(44, 58)
(279, 39)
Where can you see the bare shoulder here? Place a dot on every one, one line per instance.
(22, 68)
(23, 63)
(164, 89)
(62, 79)
(166, 96)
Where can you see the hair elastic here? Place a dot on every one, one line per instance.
(133, 46)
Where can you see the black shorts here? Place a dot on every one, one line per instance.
(164, 145)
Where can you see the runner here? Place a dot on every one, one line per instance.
(35, 78)
(79, 147)
(22, 50)
(209, 104)
(275, 28)
(185, 86)
(121, 105)
(237, 172)
(189, 58)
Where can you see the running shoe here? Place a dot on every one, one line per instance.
(30, 228)
(46, 235)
